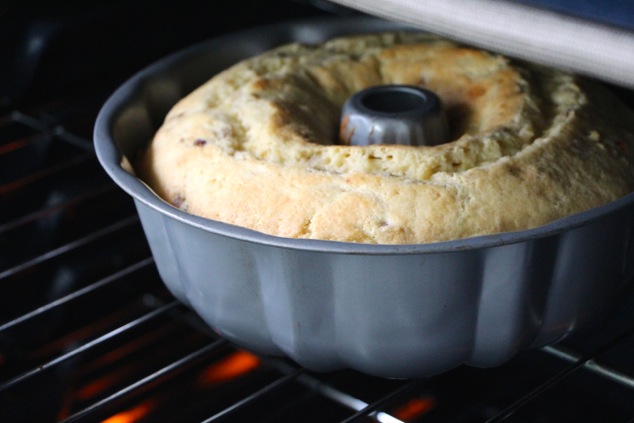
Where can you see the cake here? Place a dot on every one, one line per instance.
(257, 145)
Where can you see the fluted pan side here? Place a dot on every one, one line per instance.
(393, 315)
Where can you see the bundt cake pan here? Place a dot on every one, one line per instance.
(387, 310)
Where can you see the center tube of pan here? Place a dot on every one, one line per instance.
(393, 114)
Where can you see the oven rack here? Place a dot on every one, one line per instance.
(89, 333)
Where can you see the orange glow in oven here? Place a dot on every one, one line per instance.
(132, 415)
(94, 388)
(233, 366)
(414, 408)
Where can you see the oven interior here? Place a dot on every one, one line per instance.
(89, 333)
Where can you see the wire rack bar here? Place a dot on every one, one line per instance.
(91, 344)
(371, 409)
(39, 214)
(592, 364)
(254, 396)
(146, 380)
(79, 293)
(577, 361)
(70, 246)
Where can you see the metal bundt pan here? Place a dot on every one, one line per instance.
(386, 310)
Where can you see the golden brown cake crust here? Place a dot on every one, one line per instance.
(256, 145)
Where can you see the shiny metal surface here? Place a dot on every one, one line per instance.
(393, 114)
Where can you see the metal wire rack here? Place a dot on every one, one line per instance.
(89, 333)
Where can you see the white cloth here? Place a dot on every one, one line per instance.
(600, 51)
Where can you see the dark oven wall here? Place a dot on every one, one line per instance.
(54, 47)
(88, 332)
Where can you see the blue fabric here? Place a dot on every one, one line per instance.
(619, 13)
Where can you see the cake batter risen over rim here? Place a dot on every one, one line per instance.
(257, 146)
